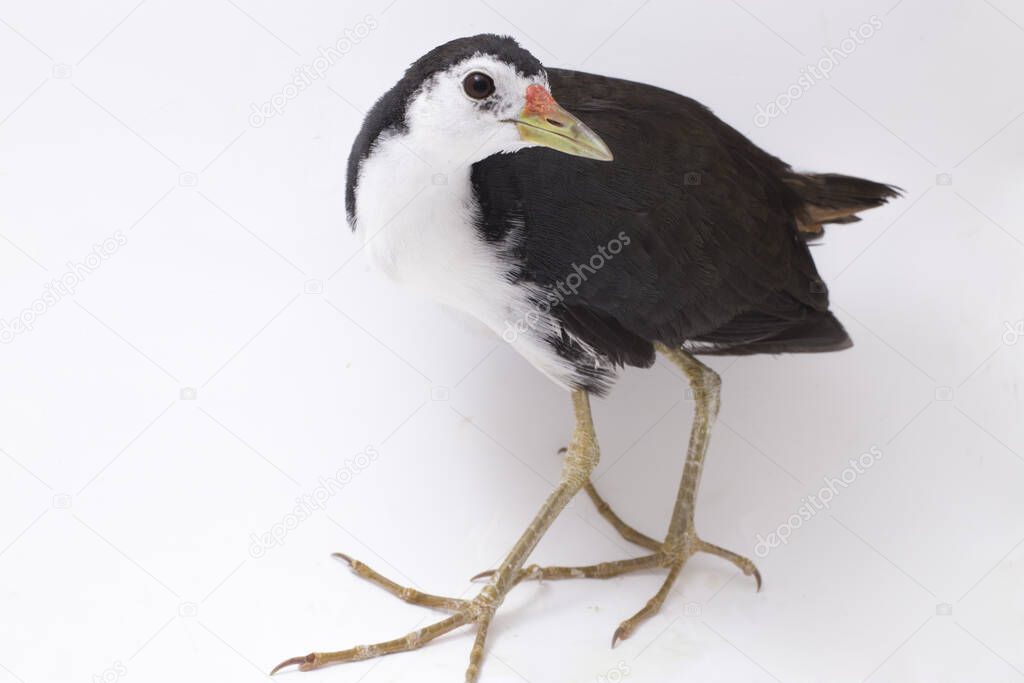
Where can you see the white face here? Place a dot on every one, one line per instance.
(468, 112)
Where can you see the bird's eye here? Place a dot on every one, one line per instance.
(478, 85)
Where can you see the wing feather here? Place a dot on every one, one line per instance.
(712, 250)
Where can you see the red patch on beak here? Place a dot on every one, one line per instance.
(539, 101)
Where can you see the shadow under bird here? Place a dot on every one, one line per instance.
(647, 225)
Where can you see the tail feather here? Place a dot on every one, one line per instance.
(836, 198)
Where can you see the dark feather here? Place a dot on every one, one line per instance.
(835, 198)
(714, 253)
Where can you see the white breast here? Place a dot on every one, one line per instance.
(417, 223)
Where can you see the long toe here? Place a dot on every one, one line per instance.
(410, 595)
(742, 563)
(409, 641)
(653, 606)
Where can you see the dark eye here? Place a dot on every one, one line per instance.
(478, 85)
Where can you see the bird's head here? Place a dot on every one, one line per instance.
(477, 96)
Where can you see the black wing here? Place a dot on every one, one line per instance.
(711, 254)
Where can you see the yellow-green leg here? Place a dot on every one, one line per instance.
(625, 530)
(580, 460)
(681, 541)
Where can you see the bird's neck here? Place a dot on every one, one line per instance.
(440, 153)
(407, 191)
(402, 168)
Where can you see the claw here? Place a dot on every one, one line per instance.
(483, 575)
(345, 558)
(757, 577)
(305, 663)
(621, 633)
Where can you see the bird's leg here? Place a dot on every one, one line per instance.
(625, 530)
(579, 462)
(681, 541)
(605, 510)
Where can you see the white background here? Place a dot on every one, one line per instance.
(129, 507)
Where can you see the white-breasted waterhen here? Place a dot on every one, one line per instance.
(591, 222)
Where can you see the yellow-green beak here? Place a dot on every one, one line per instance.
(543, 122)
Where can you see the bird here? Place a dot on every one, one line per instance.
(591, 223)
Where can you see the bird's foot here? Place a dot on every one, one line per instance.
(477, 612)
(671, 555)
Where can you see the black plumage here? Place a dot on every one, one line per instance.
(717, 259)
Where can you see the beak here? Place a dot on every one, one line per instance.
(543, 122)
